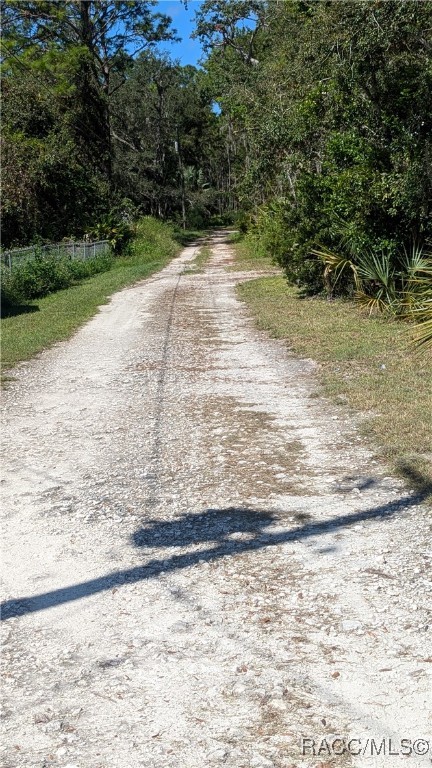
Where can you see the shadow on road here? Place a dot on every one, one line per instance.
(228, 532)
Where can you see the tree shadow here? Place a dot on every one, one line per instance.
(350, 482)
(230, 532)
(417, 480)
(190, 237)
(11, 310)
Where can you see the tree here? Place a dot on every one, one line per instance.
(333, 126)
(231, 24)
(52, 183)
(103, 37)
(167, 136)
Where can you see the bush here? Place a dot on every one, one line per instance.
(115, 228)
(226, 219)
(46, 274)
(271, 233)
(154, 239)
(10, 295)
(81, 269)
(153, 242)
(40, 276)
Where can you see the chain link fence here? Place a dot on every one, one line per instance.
(71, 250)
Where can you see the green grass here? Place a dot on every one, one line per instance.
(197, 265)
(187, 236)
(366, 363)
(247, 257)
(55, 317)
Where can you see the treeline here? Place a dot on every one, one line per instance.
(329, 110)
(321, 141)
(97, 127)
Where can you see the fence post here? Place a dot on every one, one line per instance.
(10, 260)
(73, 251)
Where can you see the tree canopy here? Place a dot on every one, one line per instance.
(331, 117)
(321, 139)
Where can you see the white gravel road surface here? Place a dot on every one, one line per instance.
(203, 562)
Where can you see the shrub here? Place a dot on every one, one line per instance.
(10, 295)
(384, 281)
(153, 239)
(272, 233)
(117, 230)
(81, 269)
(46, 274)
(40, 276)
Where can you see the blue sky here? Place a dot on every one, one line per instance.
(188, 51)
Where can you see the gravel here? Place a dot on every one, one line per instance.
(203, 561)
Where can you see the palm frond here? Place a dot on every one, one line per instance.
(371, 302)
(423, 334)
(376, 267)
(415, 261)
(335, 264)
(421, 313)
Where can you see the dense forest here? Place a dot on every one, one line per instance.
(309, 122)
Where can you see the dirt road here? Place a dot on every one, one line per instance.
(203, 562)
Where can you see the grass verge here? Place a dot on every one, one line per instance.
(53, 318)
(366, 363)
(246, 256)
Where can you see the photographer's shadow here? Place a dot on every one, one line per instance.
(227, 532)
(208, 537)
(213, 525)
